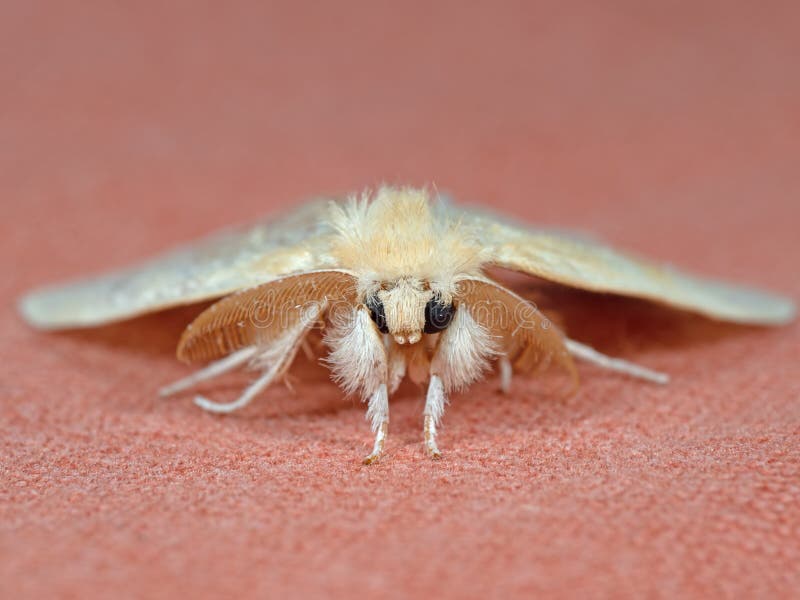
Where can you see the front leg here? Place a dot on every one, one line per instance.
(359, 363)
(462, 355)
(434, 409)
(378, 414)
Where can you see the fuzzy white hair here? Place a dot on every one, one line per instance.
(464, 352)
(357, 358)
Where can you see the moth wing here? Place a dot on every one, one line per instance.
(209, 268)
(580, 262)
(529, 338)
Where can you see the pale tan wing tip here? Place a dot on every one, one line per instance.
(34, 311)
(782, 311)
(48, 310)
(749, 306)
(76, 307)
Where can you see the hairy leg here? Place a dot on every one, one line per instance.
(251, 392)
(378, 414)
(215, 369)
(274, 360)
(434, 409)
(591, 355)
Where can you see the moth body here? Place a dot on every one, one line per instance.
(396, 281)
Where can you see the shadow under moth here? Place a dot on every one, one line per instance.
(396, 281)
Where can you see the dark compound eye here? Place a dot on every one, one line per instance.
(438, 315)
(375, 307)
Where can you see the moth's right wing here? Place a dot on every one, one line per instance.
(583, 263)
(209, 268)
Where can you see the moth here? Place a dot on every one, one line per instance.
(396, 281)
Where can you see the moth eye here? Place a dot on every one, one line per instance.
(438, 315)
(375, 307)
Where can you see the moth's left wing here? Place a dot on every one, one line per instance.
(210, 268)
(582, 263)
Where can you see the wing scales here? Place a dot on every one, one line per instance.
(582, 263)
(530, 339)
(210, 268)
(262, 314)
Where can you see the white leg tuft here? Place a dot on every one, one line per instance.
(378, 407)
(378, 415)
(435, 399)
(434, 409)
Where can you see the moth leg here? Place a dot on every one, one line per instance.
(506, 374)
(215, 369)
(591, 355)
(378, 414)
(250, 392)
(434, 409)
(396, 367)
(307, 349)
(274, 359)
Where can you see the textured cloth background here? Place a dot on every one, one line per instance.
(127, 127)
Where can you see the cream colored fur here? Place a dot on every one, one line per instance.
(402, 233)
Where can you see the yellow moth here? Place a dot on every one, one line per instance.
(396, 281)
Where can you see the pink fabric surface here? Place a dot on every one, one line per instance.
(128, 127)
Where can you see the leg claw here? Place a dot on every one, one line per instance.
(430, 438)
(380, 440)
(372, 458)
(432, 450)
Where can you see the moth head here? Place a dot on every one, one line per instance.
(408, 307)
